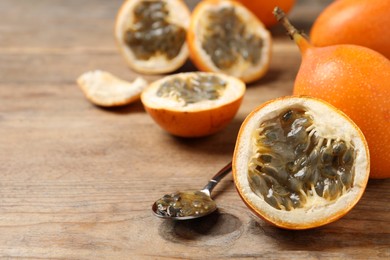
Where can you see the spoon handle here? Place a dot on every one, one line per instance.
(217, 177)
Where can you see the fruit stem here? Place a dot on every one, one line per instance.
(301, 40)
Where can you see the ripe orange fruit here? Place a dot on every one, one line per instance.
(263, 9)
(360, 22)
(193, 104)
(224, 36)
(300, 163)
(356, 80)
(151, 34)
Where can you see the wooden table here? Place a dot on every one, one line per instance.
(78, 181)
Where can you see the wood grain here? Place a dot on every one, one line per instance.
(77, 181)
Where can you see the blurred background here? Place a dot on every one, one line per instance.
(301, 10)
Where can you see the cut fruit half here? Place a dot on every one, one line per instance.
(263, 9)
(151, 34)
(106, 90)
(300, 163)
(224, 36)
(193, 104)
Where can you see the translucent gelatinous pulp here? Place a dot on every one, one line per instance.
(227, 39)
(293, 163)
(151, 33)
(192, 89)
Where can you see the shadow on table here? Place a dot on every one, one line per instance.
(220, 143)
(135, 107)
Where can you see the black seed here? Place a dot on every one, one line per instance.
(347, 157)
(280, 190)
(329, 172)
(326, 155)
(257, 183)
(339, 147)
(287, 116)
(274, 201)
(320, 188)
(295, 185)
(266, 158)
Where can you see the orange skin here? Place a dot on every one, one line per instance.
(360, 22)
(195, 123)
(263, 9)
(356, 80)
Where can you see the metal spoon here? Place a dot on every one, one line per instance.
(190, 204)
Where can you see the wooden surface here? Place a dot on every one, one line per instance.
(78, 182)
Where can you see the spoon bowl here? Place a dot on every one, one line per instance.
(189, 204)
(184, 205)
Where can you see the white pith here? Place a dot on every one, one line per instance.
(234, 90)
